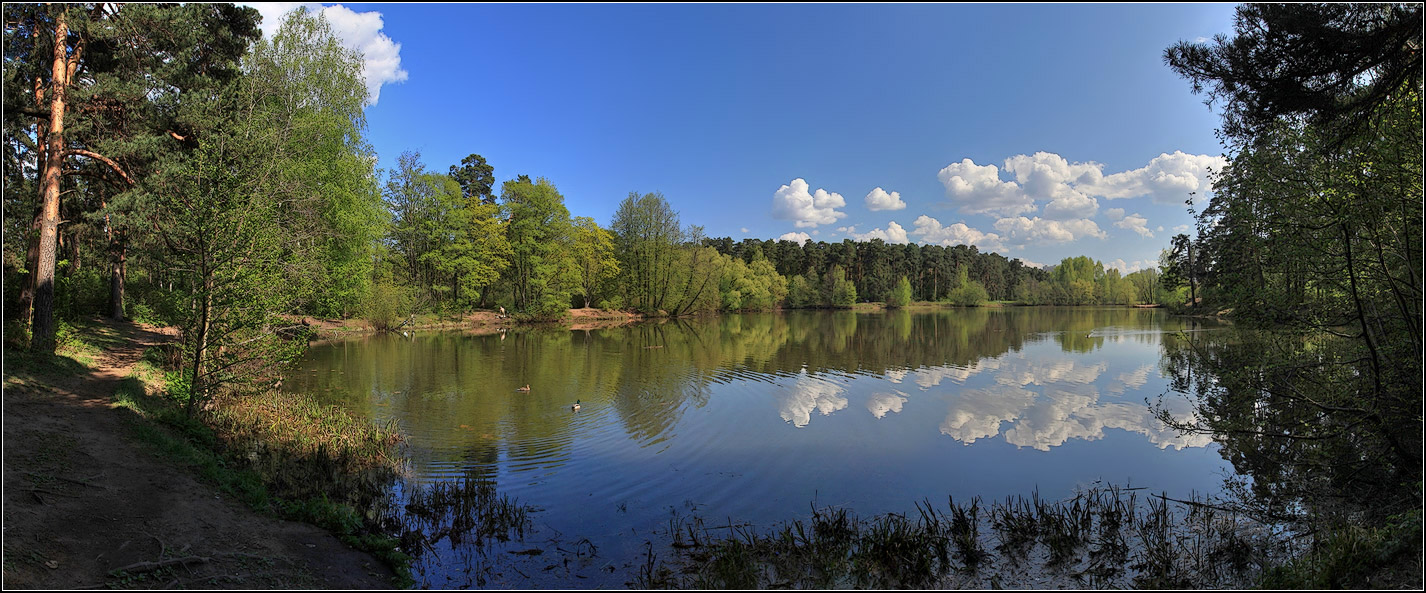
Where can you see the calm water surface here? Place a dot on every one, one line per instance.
(754, 417)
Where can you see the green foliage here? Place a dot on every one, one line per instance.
(454, 246)
(225, 230)
(750, 287)
(594, 255)
(967, 293)
(311, 90)
(476, 179)
(662, 268)
(1314, 233)
(471, 245)
(1083, 281)
(1332, 66)
(1146, 287)
(647, 235)
(612, 303)
(971, 294)
(901, 295)
(80, 293)
(1183, 267)
(840, 292)
(1352, 557)
(801, 294)
(387, 306)
(542, 273)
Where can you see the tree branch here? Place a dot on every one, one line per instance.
(101, 158)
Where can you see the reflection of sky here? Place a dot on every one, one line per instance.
(808, 394)
(1131, 380)
(881, 403)
(978, 413)
(932, 376)
(1044, 401)
(1020, 370)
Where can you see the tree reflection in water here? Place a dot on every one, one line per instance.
(1298, 416)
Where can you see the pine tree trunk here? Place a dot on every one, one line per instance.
(43, 330)
(197, 391)
(32, 262)
(117, 277)
(32, 252)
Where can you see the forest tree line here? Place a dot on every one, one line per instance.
(167, 163)
(455, 244)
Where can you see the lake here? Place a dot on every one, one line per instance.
(754, 418)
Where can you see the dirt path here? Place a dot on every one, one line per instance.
(81, 499)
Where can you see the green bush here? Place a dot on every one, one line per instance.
(177, 386)
(613, 303)
(970, 294)
(800, 293)
(901, 295)
(1354, 557)
(840, 291)
(386, 306)
(81, 293)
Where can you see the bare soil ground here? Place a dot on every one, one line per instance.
(83, 500)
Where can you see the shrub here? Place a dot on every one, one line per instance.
(80, 293)
(613, 303)
(901, 295)
(970, 294)
(386, 306)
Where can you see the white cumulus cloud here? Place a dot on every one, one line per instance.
(359, 31)
(1070, 191)
(878, 199)
(798, 237)
(807, 209)
(1023, 231)
(1136, 223)
(979, 190)
(1049, 177)
(894, 233)
(1126, 268)
(1167, 179)
(930, 231)
(1071, 205)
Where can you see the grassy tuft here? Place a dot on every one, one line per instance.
(1101, 538)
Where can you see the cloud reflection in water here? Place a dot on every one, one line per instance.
(881, 403)
(808, 394)
(1046, 403)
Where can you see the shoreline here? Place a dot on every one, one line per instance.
(484, 322)
(95, 496)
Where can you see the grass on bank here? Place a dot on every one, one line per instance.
(280, 454)
(284, 455)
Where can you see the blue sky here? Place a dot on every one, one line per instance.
(789, 119)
